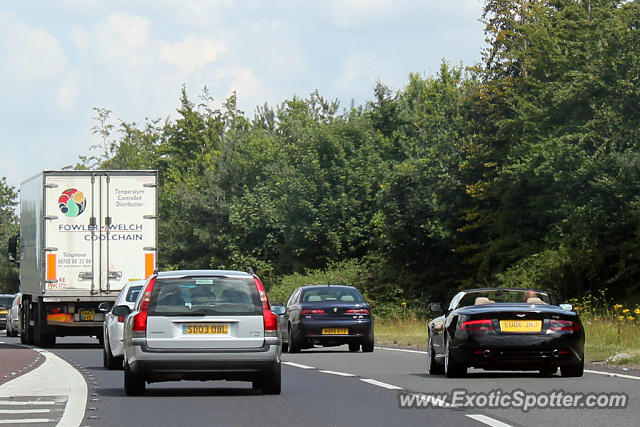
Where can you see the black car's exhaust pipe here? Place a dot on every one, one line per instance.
(486, 354)
(556, 353)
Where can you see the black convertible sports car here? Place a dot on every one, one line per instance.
(505, 329)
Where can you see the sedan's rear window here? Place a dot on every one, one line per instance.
(132, 293)
(330, 293)
(204, 296)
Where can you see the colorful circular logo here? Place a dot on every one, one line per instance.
(72, 202)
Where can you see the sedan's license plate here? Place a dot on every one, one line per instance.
(205, 329)
(4, 311)
(335, 331)
(87, 315)
(521, 325)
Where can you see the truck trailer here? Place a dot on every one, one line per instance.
(83, 236)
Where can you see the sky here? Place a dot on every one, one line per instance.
(60, 60)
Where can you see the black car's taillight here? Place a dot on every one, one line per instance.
(563, 325)
(477, 325)
(358, 311)
(311, 311)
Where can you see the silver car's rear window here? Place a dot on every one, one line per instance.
(204, 296)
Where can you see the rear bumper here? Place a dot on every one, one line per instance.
(524, 352)
(201, 364)
(359, 330)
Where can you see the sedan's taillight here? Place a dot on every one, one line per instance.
(477, 325)
(563, 325)
(310, 311)
(270, 319)
(358, 311)
(140, 319)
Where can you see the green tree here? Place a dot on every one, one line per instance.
(8, 228)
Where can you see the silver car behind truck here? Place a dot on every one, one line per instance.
(201, 325)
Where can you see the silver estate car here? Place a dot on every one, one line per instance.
(201, 325)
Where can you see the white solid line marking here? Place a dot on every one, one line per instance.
(612, 374)
(34, 402)
(380, 384)
(24, 411)
(27, 421)
(402, 350)
(488, 420)
(342, 374)
(297, 365)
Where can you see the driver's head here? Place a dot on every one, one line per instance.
(529, 294)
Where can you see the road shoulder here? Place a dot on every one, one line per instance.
(54, 377)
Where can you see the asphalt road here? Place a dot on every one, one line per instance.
(327, 387)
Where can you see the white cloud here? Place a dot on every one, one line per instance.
(191, 54)
(356, 68)
(80, 37)
(29, 54)
(67, 94)
(250, 89)
(124, 39)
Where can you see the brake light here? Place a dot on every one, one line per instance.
(140, 322)
(121, 319)
(270, 319)
(358, 311)
(140, 319)
(477, 325)
(56, 309)
(309, 311)
(563, 325)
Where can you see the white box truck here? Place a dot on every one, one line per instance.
(83, 235)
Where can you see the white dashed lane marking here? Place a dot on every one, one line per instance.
(297, 365)
(342, 374)
(380, 384)
(488, 420)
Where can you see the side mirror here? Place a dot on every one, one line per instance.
(277, 309)
(12, 249)
(121, 310)
(436, 307)
(104, 307)
(566, 307)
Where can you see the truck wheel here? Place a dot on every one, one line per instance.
(45, 340)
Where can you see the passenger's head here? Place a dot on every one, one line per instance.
(529, 294)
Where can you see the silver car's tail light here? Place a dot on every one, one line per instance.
(270, 320)
(139, 327)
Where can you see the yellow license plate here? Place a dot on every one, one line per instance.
(205, 329)
(335, 331)
(521, 325)
(4, 311)
(86, 314)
